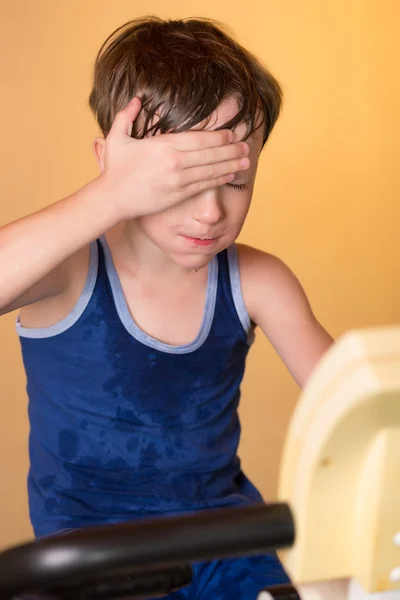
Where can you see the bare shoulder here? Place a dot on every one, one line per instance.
(53, 298)
(268, 281)
(276, 301)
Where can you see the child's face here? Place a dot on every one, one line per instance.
(217, 214)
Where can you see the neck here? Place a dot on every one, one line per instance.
(133, 248)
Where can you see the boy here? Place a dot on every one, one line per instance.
(138, 309)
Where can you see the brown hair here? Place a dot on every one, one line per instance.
(181, 70)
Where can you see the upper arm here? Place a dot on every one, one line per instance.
(277, 303)
(54, 284)
(63, 282)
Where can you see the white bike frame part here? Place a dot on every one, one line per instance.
(340, 472)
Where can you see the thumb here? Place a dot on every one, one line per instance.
(122, 125)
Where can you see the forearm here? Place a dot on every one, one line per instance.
(36, 245)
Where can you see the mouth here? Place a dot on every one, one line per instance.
(201, 241)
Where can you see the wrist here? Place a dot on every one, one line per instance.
(100, 201)
(110, 199)
(92, 210)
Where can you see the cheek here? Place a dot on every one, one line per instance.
(154, 225)
(160, 225)
(237, 208)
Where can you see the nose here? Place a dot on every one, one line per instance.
(208, 207)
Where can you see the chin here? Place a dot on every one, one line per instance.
(191, 262)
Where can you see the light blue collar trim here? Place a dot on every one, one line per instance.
(132, 328)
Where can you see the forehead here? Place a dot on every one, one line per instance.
(226, 111)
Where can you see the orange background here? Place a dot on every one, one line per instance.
(326, 200)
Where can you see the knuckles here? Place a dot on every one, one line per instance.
(174, 180)
(171, 159)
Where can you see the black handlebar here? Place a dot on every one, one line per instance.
(129, 549)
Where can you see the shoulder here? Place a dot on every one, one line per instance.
(276, 301)
(268, 284)
(53, 298)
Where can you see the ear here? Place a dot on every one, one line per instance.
(99, 147)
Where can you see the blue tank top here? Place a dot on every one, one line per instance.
(123, 426)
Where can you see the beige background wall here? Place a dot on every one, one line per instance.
(327, 198)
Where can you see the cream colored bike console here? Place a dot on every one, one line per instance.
(340, 472)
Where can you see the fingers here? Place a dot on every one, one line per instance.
(122, 125)
(210, 156)
(198, 140)
(213, 171)
(198, 187)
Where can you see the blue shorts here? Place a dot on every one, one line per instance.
(233, 579)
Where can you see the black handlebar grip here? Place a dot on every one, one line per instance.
(149, 583)
(109, 551)
(281, 592)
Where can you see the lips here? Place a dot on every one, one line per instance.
(200, 237)
(200, 241)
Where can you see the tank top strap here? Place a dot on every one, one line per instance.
(230, 288)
